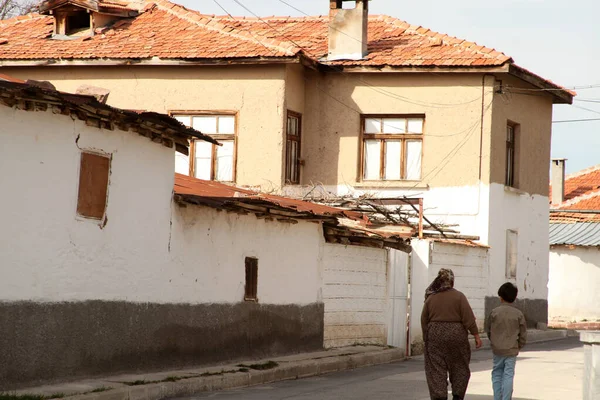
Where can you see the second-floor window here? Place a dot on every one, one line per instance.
(293, 140)
(392, 148)
(209, 161)
(511, 153)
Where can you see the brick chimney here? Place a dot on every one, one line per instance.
(558, 180)
(348, 29)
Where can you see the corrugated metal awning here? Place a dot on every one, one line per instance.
(578, 234)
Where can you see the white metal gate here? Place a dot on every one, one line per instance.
(397, 298)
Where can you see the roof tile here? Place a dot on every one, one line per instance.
(176, 32)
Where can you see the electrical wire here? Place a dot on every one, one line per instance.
(575, 120)
(377, 89)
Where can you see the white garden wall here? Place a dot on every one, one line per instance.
(355, 295)
(574, 287)
(208, 249)
(470, 265)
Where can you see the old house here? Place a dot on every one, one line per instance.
(348, 104)
(112, 263)
(574, 298)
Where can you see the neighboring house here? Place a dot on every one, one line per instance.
(112, 264)
(574, 295)
(349, 102)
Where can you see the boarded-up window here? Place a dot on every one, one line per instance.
(251, 279)
(93, 185)
(511, 253)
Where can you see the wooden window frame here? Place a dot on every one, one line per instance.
(511, 163)
(251, 284)
(382, 137)
(84, 209)
(289, 180)
(234, 137)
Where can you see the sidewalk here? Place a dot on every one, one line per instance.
(186, 382)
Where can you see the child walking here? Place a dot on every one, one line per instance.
(507, 330)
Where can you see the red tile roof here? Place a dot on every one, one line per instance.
(220, 195)
(160, 128)
(169, 31)
(582, 190)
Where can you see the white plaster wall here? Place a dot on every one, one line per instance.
(419, 280)
(208, 251)
(49, 254)
(573, 289)
(528, 215)
(354, 295)
(467, 207)
(471, 271)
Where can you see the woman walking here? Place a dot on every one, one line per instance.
(446, 321)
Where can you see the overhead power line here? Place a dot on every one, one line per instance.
(575, 120)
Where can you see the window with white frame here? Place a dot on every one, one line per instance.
(392, 148)
(209, 161)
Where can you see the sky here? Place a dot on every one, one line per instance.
(557, 39)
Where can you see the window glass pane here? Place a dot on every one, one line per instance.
(184, 119)
(393, 152)
(413, 160)
(510, 134)
(203, 159)
(225, 161)
(372, 159)
(372, 125)
(182, 164)
(227, 124)
(394, 125)
(205, 124)
(294, 162)
(415, 125)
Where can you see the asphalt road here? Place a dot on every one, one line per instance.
(545, 371)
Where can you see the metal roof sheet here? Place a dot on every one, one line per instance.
(578, 234)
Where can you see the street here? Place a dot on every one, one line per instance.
(545, 371)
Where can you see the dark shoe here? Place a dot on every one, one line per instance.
(457, 397)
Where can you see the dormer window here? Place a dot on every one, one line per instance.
(78, 23)
(77, 18)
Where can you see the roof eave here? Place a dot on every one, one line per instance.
(418, 69)
(559, 94)
(149, 62)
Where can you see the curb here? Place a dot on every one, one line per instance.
(285, 371)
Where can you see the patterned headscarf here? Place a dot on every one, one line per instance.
(444, 281)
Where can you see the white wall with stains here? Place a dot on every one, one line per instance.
(208, 250)
(48, 253)
(149, 249)
(528, 215)
(574, 283)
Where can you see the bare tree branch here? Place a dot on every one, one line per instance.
(12, 8)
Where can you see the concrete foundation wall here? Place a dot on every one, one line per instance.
(45, 342)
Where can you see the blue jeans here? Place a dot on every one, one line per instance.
(503, 374)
